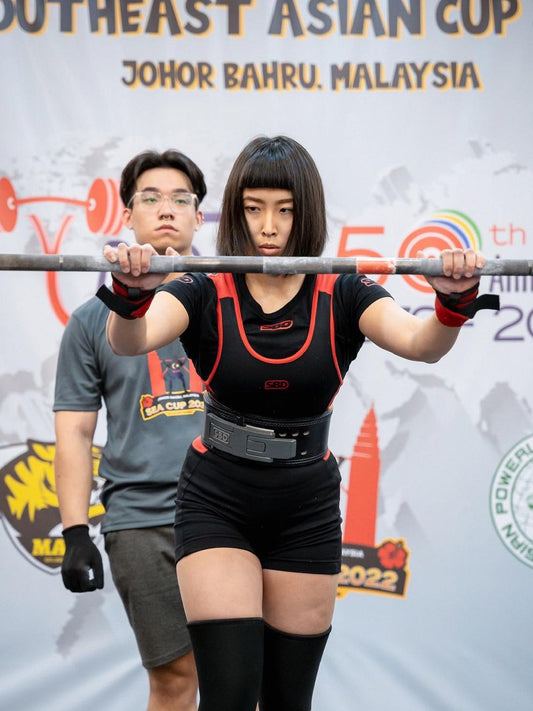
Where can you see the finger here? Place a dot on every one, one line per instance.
(79, 581)
(69, 581)
(136, 259)
(470, 262)
(447, 262)
(147, 253)
(98, 577)
(85, 581)
(88, 580)
(110, 253)
(458, 263)
(123, 254)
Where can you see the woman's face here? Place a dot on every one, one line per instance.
(269, 215)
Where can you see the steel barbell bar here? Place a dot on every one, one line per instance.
(265, 265)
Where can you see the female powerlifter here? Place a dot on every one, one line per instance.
(258, 527)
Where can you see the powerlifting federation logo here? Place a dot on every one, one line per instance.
(511, 500)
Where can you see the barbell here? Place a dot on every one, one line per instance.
(103, 206)
(267, 265)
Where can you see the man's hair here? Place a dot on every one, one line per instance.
(147, 160)
(280, 163)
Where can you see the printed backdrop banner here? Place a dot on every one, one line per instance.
(418, 114)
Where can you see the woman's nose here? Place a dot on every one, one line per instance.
(269, 227)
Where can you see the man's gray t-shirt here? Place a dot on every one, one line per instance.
(154, 410)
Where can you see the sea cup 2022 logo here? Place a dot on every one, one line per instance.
(511, 500)
(29, 505)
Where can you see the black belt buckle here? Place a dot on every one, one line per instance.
(247, 441)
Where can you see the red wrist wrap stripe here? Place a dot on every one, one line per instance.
(141, 309)
(138, 299)
(447, 317)
(456, 308)
(128, 302)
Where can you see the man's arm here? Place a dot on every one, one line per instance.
(82, 569)
(74, 465)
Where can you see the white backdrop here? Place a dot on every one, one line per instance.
(419, 116)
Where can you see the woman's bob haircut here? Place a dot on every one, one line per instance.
(280, 163)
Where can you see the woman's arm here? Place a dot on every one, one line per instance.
(394, 329)
(164, 320)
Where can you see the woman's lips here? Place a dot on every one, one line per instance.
(269, 249)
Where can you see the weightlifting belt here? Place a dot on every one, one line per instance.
(262, 440)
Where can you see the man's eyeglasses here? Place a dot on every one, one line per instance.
(152, 200)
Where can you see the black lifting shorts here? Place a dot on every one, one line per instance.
(288, 516)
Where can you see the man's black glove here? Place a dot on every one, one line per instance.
(82, 569)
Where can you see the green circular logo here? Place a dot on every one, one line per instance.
(511, 500)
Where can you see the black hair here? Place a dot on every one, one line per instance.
(280, 163)
(147, 160)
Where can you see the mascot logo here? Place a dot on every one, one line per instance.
(29, 505)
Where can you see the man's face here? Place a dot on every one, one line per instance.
(163, 212)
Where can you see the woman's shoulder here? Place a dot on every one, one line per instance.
(358, 291)
(357, 282)
(189, 281)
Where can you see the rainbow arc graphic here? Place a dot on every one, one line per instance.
(446, 229)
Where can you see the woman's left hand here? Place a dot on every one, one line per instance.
(458, 267)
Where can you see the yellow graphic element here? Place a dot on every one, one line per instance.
(170, 404)
(33, 488)
(43, 547)
(273, 76)
(369, 579)
(169, 75)
(380, 569)
(405, 76)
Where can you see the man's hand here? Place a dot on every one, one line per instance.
(82, 569)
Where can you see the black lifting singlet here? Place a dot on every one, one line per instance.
(301, 385)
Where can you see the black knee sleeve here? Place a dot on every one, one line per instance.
(229, 661)
(289, 669)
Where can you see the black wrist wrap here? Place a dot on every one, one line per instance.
(465, 304)
(128, 302)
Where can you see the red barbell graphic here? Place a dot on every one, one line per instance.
(103, 206)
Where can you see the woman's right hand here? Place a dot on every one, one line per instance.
(134, 262)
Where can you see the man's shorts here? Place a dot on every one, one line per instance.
(288, 516)
(144, 573)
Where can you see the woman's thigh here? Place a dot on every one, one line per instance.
(298, 603)
(219, 583)
(225, 583)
